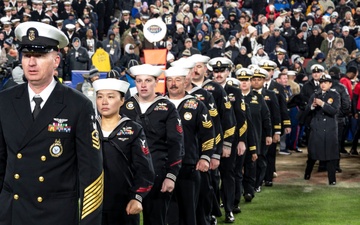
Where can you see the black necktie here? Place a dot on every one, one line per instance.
(266, 86)
(37, 108)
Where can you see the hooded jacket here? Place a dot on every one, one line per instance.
(77, 59)
(112, 47)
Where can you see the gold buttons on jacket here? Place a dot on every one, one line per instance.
(16, 176)
(19, 155)
(43, 158)
(39, 199)
(41, 179)
(16, 197)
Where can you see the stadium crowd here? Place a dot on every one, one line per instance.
(243, 78)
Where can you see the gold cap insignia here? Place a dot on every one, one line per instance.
(32, 34)
(243, 73)
(218, 63)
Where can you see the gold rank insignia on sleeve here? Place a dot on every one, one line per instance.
(227, 103)
(95, 139)
(217, 139)
(208, 145)
(93, 196)
(213, 112)
(252, 148)
(243, 129)
(229, 132)
(207, 123)
(286, 122)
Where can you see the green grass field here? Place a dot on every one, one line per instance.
(301, 205)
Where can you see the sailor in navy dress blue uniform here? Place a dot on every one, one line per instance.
(50, 162)
(271, 100)
(128, 168)
(204, 207)
(199, 140)
(260, 116)
(164, 133)
(227, 118)
(323, 141)
(221, 68)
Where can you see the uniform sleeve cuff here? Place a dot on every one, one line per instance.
(138, 198)
(207, 158)
(216, 156)
(171, 176)
(227, 144)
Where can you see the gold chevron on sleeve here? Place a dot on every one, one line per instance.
(227, 104)
(229, 132)
(286, 122)
(207, 145)
(243, 129)
(93, 196)
(218, 139)
(207, 124)
(213, 112)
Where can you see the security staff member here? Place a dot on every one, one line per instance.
(199, 140)
(310, 87)
(227, 117)
(221, 68)
(270, 66)
(128, 168)
(164, 133)
(260, 116)
(257, 84)
(323, 141)
(50, 158)
(206, 195)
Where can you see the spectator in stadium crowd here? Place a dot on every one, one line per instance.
(76, 59)
(89, 42)
(314, 41)
(128, 58)
(202, 42)
(298, 45)
(318, 58)
(133, 38)
(273, 40)
(112, 47)
(243, 58)
(349, 41)
(328, 42)
(337, 49)
(259, 54)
